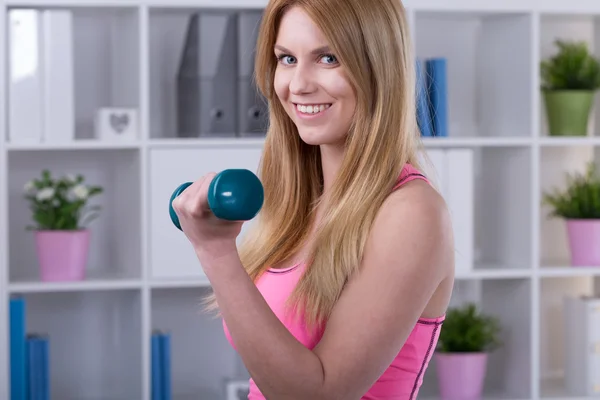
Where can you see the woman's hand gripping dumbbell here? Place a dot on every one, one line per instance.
(216, 205)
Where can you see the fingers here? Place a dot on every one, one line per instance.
(193, 202)
(202, 193)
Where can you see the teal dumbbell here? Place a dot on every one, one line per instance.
(233, 195)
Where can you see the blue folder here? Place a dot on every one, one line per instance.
(437, 75)
(161, 366)
(423, 114)
(18, 349)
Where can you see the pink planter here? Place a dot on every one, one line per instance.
(584, 241)
(62, 255)
(461, 375)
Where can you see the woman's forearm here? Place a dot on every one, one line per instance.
(279, 364)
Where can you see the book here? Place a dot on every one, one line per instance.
(37, 367)
(423, 112)
(18, 349)
(436, 71)
(161, 365)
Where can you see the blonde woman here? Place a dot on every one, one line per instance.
(341, 289)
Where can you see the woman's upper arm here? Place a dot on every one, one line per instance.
(408, 254)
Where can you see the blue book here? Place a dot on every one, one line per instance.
(44, 362)
(437, 74)
(165, 350)
(33, 368)
(423, 115)
(38, 367)
(156, 366)
(18, 349)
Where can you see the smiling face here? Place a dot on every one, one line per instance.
(310, 82)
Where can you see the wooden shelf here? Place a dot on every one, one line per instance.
(143, 275)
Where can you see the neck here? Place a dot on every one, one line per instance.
(331, 160)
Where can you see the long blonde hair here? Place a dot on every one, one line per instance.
(371, 41)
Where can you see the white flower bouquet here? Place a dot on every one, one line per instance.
(61, 204)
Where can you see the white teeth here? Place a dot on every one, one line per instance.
(312, 109)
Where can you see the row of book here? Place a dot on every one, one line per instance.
(29, 357)
(432, 96)
(161, 365)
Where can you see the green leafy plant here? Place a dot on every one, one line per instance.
(467, 330)
(60, 204)
(581, 197)
(572, 68)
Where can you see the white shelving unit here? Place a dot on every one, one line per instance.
(143, 275)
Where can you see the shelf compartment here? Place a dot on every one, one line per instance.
(201, 73)
(553, 333)
(489, 67)
(168, 169)
(498, 272)
(94, 342)
(105, 65)
(92, 284)
(81, 144)
(503, 216)
(557, 271)
(489, 201)
(449, 142)
(564, 141)
(555, 163)
(206, 143)
(509, 367)
(579, 27)
(202, 359)
(115, 249)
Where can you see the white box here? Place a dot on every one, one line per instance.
(451, 172)
(437, 169)
(460, 198)
(237, 389)
(171, 254)
(116, 124)
(58, 93)
(582, 346)
(25, 77)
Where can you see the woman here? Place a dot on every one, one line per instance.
(341, 290)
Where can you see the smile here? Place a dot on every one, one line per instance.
(312, 109)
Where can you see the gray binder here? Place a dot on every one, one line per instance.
(206, 82)
(252, 106)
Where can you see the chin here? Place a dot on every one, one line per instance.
(319, 136)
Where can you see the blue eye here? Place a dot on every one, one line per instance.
(282, 58)
(331, 58)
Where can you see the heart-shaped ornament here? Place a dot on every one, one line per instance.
(119, 122)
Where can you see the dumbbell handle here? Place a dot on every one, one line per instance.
(233, 195)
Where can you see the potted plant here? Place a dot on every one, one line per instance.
(569, 80)
(579, 205)
(59, 209)
(461, 357)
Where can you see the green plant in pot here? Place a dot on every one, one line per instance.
(578, 204)
(466, 338)
(60, 211)
(569, 80)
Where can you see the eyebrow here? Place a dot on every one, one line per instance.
(317, 51)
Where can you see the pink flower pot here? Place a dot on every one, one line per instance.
(461, 375)
(62, 255)
(584, 241)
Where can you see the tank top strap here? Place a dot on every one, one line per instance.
(408, 174)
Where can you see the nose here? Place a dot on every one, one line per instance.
(302, 80)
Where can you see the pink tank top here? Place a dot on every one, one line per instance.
(403, 378)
